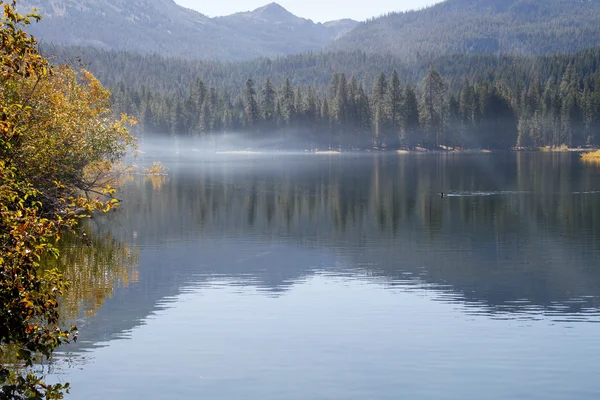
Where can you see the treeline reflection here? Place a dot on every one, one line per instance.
(516, 236)
(514, 231)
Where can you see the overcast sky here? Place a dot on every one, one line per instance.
(317, 10)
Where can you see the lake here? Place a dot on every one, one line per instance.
(274, 276)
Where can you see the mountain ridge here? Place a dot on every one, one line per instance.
(162, 26)
(450, 27)
(479, 27)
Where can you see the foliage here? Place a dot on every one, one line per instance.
(593, 157)
(28, 299)
(156, 168)
(54, 126)
(563, 148)
(69, 111)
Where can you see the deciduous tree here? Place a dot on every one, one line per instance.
(58, 144)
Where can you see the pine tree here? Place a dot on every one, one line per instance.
(363, 116)
(433, 108)
(205, 119)
(299, 106)
(267, 102)
(380, 119)
(453, 138)
(340, 104)
(311, 108)
(286, 100)
(394, 105)
(411, 127)
(250, 105)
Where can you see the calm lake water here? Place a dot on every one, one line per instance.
(343, 277)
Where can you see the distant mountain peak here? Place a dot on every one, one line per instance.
(272, 8)
(271, 13)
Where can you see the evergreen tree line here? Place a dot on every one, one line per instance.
(389, 116)
(166, 74)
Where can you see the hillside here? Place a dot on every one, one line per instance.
(480, 27)
(172, 75)
(163, 27)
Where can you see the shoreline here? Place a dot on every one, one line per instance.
(403, 151)
(455, 151)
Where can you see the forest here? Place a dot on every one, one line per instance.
(160, 73)
(351, 100)
(390, 115)
(480, 27)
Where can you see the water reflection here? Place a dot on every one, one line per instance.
(248, 276)
(519, 234)
(94, 266)
(518, 238)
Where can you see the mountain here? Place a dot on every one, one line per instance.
(142, 25)
(480, 26)
(163, 27)
(277, 31)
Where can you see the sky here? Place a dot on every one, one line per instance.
(317, 10)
